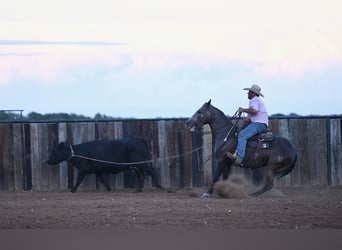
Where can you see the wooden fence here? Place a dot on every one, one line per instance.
(179, 156)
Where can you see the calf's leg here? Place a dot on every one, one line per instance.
(100, 177)
(141, 179)
(79, 179)
(152, 172)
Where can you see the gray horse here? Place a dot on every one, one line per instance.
(277, 155)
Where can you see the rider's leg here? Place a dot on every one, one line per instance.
(247, 133)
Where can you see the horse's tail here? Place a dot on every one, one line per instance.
(288, 170)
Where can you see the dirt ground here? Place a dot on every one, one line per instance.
(280, 208)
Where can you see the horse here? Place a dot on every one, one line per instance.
(277, 157)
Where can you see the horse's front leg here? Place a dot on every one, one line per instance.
(226, 172)
(217, 174)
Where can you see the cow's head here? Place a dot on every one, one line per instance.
(60, 153)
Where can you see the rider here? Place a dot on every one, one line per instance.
(258, 117)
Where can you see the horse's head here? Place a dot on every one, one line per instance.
(201, 117)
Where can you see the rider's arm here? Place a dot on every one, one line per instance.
(249, 111)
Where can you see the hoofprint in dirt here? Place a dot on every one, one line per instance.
(282, 208)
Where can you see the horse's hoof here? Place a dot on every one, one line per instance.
(205, 195)
(256, 194)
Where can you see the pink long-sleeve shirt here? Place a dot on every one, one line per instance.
(262, 115)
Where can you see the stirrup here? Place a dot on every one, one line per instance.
(232, 156)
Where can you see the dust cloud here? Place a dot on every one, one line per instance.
(233, 188)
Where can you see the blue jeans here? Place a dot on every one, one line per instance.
(251, 130)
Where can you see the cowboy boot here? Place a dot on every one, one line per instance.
(236, 161)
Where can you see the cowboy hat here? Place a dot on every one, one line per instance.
(256, 89)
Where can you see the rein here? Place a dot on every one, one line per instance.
(237, 115)
(127, 163)
(216, 130)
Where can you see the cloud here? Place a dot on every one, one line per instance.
(20, 54)
(47, 59)
(38, 42)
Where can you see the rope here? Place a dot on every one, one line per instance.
(236, 115)
(128, 163)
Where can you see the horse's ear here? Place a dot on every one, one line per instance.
(208, 103)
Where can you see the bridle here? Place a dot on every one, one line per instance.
(237, 116)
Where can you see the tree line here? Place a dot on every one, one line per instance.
(34, 116)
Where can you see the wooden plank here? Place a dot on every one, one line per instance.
(37, 136)
(18, 156)
(176, 152)
(118, 134)
(145, 131)
(179, 149)
(91, 131)
(197, 166)
(70, 168)
(42, 152)
(171, 153)
(187, 169)
(7, 174)
(154, 147)
(2, 152)
(316, 171)
(63, 166)
(336, 151)
(9, 158)
(80, 135)
(118, 130)
(27, 168)
(297, 128)
(112, 130)
(163, 154)
(83, 132)
(90, 180)
(35, 165)
(105, 131)
(130, 130)
(52, 171)
(282, 130)
(207, 155)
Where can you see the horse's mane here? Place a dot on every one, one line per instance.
(221, 113)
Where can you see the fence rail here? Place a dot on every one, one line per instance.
(180, 157)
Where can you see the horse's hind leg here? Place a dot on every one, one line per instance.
(268, 184)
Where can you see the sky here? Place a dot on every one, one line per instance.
(164, 59)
